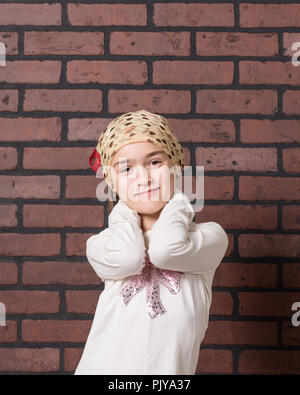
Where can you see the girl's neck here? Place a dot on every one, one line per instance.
(148, 220)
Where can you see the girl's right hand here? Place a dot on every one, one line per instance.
(121, 212)
(118, 251)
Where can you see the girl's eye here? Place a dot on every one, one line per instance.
(123, 170)
(156, 160)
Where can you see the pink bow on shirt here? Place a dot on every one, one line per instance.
(150, 277)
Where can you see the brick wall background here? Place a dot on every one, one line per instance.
(222, 73)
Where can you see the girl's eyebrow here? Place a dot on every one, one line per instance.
(146, 157)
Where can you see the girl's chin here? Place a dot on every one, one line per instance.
(149, 207)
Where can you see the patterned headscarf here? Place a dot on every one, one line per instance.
(134, 127)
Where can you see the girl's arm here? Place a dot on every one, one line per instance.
(119, 250)
(177, 245)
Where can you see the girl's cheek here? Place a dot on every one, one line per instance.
(114, 179)
(165, 174)
(167, 183)
(125, 186)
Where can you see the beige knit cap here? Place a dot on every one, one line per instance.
(133, 127)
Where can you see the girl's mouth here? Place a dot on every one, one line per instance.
(148, 192)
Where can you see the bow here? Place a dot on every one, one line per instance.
(151, 277)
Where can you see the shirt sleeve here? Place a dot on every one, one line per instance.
(178, 244)
(117, 252)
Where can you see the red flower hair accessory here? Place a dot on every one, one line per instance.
(95, 160)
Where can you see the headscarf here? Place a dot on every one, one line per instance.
(134, 127)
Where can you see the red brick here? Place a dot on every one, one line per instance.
(270, 245)
(86, 128)
(89, 100)
(8, 273)
(203, 130)
(29, 359)
(270, 131)
(240, 216)
(8, 215)
(267, 304)
(78, 187)
(30, 187)
(241, 332)
(233, 101)
(10, 39)
(269, 362)
(107, 14)
(291, 275)
(63, 43)
(215, 361)
(217, 188)
(150, 43)
(76, 242)
(230, 247)
(193, 187)
(8, 333)
(291, 102)
(8, 158)
(291, 160)
(288, 40)
(30, 14)
(222, 303)
(236, 44)
(186, 156)
(46, 272)
(84, 302)
(154, 100)
(8, 100)
(29, 302)
(192, 72)
(274, 73)
(31, 71)
(72, 357)
(57, 158)
(55, 330)
(17, 244)
(30, 129)
(194, 15)
(238, 274)
(107, 72)
(290, 333)
(269, 15)
(237, 159)
(61, 216)
(269, 188)
(291, 217)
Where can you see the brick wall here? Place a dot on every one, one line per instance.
(222, 74)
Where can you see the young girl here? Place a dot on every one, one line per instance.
(157, 264)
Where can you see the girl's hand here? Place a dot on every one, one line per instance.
(178, 244)
(178, 204)
(121, 212)
(118, 251)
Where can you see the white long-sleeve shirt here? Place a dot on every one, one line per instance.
(162, 335)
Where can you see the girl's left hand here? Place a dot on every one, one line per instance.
(122, 212)
(178, 203)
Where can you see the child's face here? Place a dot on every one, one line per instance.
(143, 171)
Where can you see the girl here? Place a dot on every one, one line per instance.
(157, 264)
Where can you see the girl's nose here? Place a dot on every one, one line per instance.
(143, 174)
